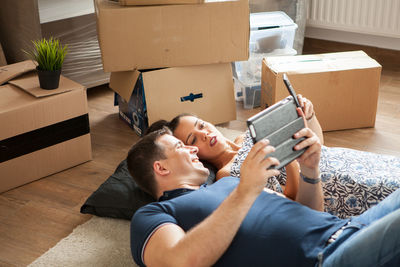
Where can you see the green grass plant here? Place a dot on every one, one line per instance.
(48, 53)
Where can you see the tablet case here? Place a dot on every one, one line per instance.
(278, 123)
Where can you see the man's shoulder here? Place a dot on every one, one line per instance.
(228, 179)
(148, 209)
(225, 182)
(145, 222)
(149, 217)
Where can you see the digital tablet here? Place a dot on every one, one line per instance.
(278, 123)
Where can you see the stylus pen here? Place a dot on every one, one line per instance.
(291, 90)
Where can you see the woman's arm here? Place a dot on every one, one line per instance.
(292, 180)
(293, 169)
(310, 190)
(224, 172)
(310, 116)
(314, 125)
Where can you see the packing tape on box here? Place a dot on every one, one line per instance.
(44, 137)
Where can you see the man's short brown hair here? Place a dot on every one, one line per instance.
(141, 157)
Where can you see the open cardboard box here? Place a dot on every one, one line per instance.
(343, 87)
(146, 37)
(43, 131)
(147, 96)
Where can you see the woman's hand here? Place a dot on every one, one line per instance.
(311, 157)
(309, 160)
(307, 107)
(310, 118)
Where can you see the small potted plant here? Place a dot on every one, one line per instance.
(49, 55)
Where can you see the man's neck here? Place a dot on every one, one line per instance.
(189, 186)
(181, 185)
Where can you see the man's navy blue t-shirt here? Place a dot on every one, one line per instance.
(276, 231)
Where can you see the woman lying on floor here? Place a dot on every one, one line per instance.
(353, 181)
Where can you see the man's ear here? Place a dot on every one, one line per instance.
(159, 168)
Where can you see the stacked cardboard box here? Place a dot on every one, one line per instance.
(173, 58)
(42, 131)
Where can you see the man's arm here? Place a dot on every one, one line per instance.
(170, 245)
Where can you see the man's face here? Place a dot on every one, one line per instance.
(182, 160)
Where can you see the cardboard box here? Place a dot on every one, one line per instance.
(342, 86)
(157, 2)
(145, 97)
(12, 71)
(46, 131)
(145, 37)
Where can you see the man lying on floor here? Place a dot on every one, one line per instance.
(235, 222)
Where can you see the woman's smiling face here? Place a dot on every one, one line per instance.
(193, 131)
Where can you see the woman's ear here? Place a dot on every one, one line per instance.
(159, 168)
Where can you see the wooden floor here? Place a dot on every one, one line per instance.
(34, 217)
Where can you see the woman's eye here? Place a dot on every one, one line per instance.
(193, 141)
(202, 125)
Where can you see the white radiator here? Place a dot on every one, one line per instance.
(374, 17)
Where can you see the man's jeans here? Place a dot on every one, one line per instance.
(371, 239)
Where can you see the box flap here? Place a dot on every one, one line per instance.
(123, 82)
(14, 70)
(204, 90)
(30, 84)
(321, 62)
